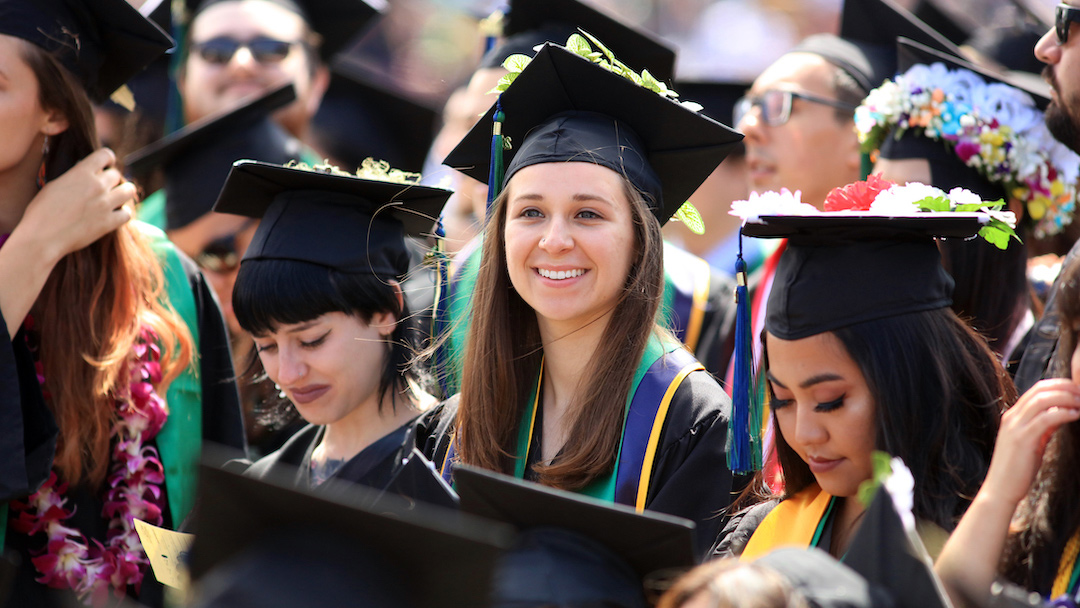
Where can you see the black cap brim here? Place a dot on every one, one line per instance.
(682, 146)
(648, 541)
(847, 228)
(252, 187)
(441, 558)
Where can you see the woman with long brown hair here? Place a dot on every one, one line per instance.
(567, 379)
(88, 441)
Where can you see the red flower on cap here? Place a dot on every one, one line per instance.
(857, 196)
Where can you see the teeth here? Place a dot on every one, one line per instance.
(559, 275)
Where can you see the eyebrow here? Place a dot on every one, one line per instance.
(818, 379)
(577, 197)
(301, 327)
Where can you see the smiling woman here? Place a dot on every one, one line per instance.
(567, 379)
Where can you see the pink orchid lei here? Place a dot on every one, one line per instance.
(133, 491)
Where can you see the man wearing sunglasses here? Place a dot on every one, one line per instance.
(1058, 50)
(237, 48)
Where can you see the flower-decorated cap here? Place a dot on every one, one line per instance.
(337, 22)
(972, 125)
(196, 159)
(102, 42)
(865, 48)
(324, 216)
(871, 254)
(563, 107)
(530, 23)
(360, 117)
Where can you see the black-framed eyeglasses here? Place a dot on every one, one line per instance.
(775, 105)
(1064, 17)
(220, 50)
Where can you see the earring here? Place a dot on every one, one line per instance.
(41, 171)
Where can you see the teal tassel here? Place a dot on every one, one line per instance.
(744, 425)
(496, 169)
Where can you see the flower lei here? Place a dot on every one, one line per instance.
(877, 197)
(992, 127)
(133, 491)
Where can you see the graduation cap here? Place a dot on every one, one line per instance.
(336, 21)
(883, 552)
(197, 158)
(103, 42)
(530, 23)
(266, 543)
(418, 480)
(648, 541)
(359, 118)
(865, 48)
(942, 22)
(563, 107)
(823, 581)
(1010, 46)
(332, 219)
(716, 98)
(842, 269)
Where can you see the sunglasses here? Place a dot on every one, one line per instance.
(220, 50)
(1063, 20)
(775, 105)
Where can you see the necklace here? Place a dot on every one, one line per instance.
(133, 490)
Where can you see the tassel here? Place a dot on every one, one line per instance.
(496, 169)
(744, 425)
(440, 324)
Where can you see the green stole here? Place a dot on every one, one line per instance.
(602, 488)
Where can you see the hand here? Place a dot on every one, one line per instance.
(84, 204)
(1025, 430)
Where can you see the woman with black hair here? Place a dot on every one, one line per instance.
(320, 290)
(862, 354)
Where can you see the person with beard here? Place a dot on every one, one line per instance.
(1058, 48)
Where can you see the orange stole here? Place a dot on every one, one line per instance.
(793, 523)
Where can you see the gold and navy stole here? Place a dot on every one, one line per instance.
(797, 521)
(685, 298)
(663, 368)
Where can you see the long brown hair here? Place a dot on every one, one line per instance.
(95, 303)
(503, 352)
(939, 392)
(1048, 516)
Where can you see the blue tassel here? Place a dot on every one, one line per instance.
(440, 322)
(744, 425)
(496, 169)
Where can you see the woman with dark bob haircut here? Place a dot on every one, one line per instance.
(1023, 524)
(567, 380)
(862, 354)
(319, 289)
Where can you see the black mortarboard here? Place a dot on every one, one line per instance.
(838, 270)
(359, 118)
(103, 42)
(648, 541)
(394, 554)
(941, 21)
(716, 98)
(1010, 46)
(562, 107)
(197, 158)
(340, 221)
(336, 22)
(417, 479)
(530, 23)
(883, 554)
(866, 46)
(822, 580)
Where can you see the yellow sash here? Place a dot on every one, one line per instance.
(793, 523)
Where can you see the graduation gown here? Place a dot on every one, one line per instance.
(28, 431)
(689, 476)
(374, 466)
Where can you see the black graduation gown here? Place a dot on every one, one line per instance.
(690, 477)
(28, 434)
(374, 466)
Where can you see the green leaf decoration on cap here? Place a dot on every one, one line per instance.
(881, 463)
(370, 169)
(579, 44)
(689, 215)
